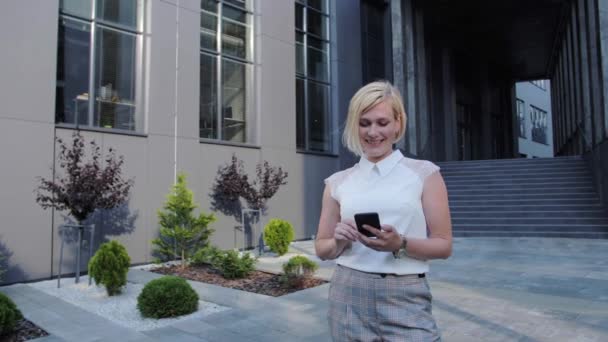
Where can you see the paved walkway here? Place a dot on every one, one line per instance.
(491, 289)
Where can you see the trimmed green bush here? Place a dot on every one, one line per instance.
(109, 267)
(298, 269)
(206, 256)
(278, 234)
(9, 315)
(168, 296)
(233, 266)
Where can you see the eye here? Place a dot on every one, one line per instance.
(364, 123)
(383, 123)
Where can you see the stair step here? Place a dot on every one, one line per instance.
(570, 235)
(528, 182)
(525, 207)
(536, 227)
(456, 214)
(516, 161)
(509, 177)
(513, 196)
(514, 171)
(544, 201)
(531, 220)
(515, 186)
(524, 190)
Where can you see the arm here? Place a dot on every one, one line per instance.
(332, 235)
(438, 245)
(437, 212)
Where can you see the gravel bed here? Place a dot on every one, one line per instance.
(120, 309)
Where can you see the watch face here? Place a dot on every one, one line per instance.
(402, 253)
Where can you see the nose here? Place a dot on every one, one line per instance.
(373, 130)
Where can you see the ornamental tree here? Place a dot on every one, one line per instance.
(232, 184)
(181, 233)
(84, 184)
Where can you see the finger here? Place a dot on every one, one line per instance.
(388, 228)
(347, 232)
(350, 223)
(372, 230)
(340, 236)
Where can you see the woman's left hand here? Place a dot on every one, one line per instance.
(387, 239)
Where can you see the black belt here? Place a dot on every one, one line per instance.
(383, 275)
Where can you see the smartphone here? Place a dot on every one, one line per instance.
(371, 219)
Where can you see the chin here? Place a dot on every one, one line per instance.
(373, 153)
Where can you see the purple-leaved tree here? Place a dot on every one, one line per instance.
(86, 184)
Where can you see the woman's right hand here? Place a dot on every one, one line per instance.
(346, 230)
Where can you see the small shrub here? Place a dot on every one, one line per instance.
(278, 234)
(9, 315)
(206, 256)
(297, 270)
(233, 266)
(109, 267)
(168, 296)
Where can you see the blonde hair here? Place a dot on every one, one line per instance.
(363, 100)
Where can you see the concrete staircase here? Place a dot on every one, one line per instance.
(544, 197)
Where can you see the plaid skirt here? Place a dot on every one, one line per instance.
(380, 307)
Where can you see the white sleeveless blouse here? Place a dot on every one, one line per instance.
(393, 189)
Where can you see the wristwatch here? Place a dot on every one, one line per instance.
(401, 252)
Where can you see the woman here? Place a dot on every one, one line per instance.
(379, 290)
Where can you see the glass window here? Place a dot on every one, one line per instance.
(312, 76)
(234, 100)
(208, 97)
(115, 79)
(73, 55)
(121, 12)
(521, 118)
(209, 27)
(109, 101)
(231, 60)
(538, 117)
(79, 8)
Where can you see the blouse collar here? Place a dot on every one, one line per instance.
(384, 166)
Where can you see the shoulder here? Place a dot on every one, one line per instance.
(340, 176)
(335, 180)
(422, 168)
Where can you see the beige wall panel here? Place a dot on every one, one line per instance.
(161, 46)
(131, 222)
(191, 5)
(25, 232)
(188, 76)
(28, 32)
(160, 180)
(278, 118)
(277, 19)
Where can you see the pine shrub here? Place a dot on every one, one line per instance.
(233, 266)
(206, 256)
(109, 267)
(278, 234)
(297, 270)
(182, 233)
(168, 296)
(9, 315)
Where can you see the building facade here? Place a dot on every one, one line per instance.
(182, 85)
(533, 109)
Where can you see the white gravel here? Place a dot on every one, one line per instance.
(120, 309)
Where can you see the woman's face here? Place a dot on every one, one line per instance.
(378, 130)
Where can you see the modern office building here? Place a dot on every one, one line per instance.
(182, 85)
(533, 108)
